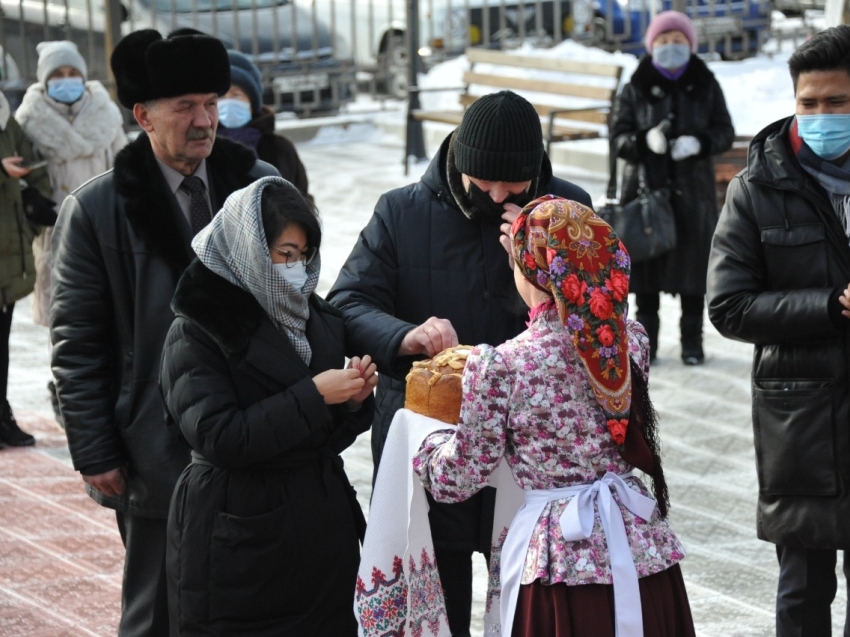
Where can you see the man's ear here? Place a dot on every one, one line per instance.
(142, 115)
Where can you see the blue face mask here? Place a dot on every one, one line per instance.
(295, 275)
(827, 135)
(233, 113)
(66, 89)
(671, 56)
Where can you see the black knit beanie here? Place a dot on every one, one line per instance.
(499, 139)
(245, 74)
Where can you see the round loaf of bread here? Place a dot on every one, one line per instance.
(434, 385)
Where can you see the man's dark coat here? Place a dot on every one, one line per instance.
(421, 256)
(778, 260)
(119, 248)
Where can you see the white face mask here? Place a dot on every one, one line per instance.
(296, 275)
(671, 56)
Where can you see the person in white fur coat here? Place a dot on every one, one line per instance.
(78, 129)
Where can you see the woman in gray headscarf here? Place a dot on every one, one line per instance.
(263, 527)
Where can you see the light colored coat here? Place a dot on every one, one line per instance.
(79, 141)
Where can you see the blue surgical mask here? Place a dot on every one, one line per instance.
(66, 89)
(827, 135)
(233, 113)
(671, 56)
(296, 275)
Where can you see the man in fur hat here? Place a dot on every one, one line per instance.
(428, 272)
(120, 246)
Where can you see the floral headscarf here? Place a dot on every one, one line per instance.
(566, 250)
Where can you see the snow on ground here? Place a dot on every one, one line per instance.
(758, 90)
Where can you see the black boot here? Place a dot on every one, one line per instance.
(691, 330)
(54, 400)
(10, 433)
(651, 324)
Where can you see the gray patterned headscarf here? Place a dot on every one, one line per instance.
(234, 246)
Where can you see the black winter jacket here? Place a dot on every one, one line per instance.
(119, 247)
(420, 256)
(778, 259)
(263, 528)
(694, 105)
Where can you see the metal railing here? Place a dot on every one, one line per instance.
(312, 51)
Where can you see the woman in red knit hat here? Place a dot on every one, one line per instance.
(671, 118)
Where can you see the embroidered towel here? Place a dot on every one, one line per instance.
(398, 586)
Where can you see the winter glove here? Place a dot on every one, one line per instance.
(656, 140)
(685, 146)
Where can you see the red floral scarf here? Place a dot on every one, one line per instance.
(566, 250)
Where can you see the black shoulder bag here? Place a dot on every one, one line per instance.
(645, 225)
(38, 209)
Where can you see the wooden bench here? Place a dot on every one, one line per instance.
(558, 121)
(729, 164)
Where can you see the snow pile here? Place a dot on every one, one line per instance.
(758, 91)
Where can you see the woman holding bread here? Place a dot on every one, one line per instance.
(590, 553)
(263, 527)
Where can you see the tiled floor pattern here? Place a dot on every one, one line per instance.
(60, 553)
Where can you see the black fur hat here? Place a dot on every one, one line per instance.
(147, 66)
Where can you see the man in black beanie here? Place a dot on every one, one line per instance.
(120, 245)
(428, 272)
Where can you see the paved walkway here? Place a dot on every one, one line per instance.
(60, 554)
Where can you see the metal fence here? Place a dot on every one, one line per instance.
(314, 53)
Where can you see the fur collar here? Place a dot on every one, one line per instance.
(59, 137)
(654, 87)
(226, 313)
(139, 180)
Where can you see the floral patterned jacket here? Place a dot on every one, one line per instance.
(530, 401)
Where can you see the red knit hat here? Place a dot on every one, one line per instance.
(670, 21)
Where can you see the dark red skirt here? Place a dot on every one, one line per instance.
(588, 610)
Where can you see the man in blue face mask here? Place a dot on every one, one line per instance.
(778, 278)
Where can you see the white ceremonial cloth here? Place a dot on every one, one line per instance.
(393, 587)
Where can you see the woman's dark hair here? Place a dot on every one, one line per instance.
(828, 50)
(284, 206)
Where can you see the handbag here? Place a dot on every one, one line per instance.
(645, 224)
(38, 209)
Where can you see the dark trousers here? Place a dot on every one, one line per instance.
(807, 586)
(144, 598)
(455, 568)
(650, 304)
(5, 330)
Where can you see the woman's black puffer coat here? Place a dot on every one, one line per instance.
(264, 525)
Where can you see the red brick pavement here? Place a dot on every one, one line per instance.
(60, 553)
